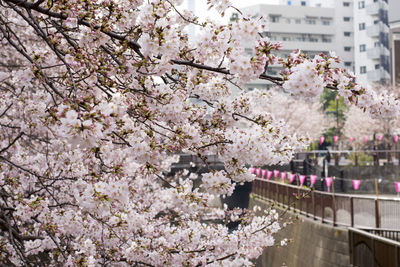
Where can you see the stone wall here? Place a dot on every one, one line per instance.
(314, 244)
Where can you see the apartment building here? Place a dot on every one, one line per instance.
(371, 41)
(394, 22)
(313, 29)
(395, 52)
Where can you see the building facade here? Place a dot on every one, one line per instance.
(395, 52)
(371, 41)
(312, 29)
(394, 21)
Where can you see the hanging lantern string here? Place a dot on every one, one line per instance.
(313, 178)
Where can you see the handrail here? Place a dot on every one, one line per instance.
(331, 193)
(339, 209)
(376, 237)
(346, 151)
(367, 249)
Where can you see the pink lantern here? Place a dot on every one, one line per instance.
(321, 140)
(269, 174)
(356, 184)
(335, 139)
(351, 139)
(397, 185)
(302, 178)
(313, 179)
(252, 170)
(365, 139)
(396, 138)
(292, 177)
(258, 171)
(283, 176)
(380, 137)
(328, 181)
(263, 172)
(276, 173)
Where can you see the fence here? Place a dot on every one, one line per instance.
(370, 250)
(365, 212)
(354, 157)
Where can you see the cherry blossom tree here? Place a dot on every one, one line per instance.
(96, 101)
(359, 125)
(302, 117)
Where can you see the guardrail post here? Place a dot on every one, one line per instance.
(351, 246)
(334, 209)
(262, 188)
(377, 213)
(313, 204)
(373, 251)
(322, 208)
(351, 212)
(288, 199)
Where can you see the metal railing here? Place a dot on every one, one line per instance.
(354, 157)
(358, 211)
(371, 250)
(386, 233)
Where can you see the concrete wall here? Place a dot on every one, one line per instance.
(314, 244)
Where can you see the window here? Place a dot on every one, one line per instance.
(361, 26)
(286, 38)
(377, 44)
(298, 21)
(362, 48)
(288, 20)
(274, 18)
(377, 66)
(310, 21)
(361, 4)
(347, 64)
(347, 48)
(303, 3)
(248, 51)
(347, 34)
(346, 18)
(326, 22)
(326, 39)
(363, 69)
(346, 3)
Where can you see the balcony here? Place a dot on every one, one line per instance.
(376, 52)
(374, 30)
(373, 9)
(378, 75)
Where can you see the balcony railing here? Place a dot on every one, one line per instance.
(376, 52)
(378, 75)
(373, 9)
(376, 29)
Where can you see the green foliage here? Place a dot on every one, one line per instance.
(363, 159)
(336, 109)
